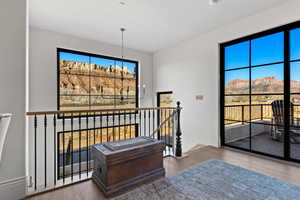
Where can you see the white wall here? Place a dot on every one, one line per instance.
(43, 65)
(42, 88)
(12, 87)
(192, 68)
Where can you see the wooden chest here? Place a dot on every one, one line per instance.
(123, 164)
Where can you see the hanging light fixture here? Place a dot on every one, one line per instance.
(121, 97)
(213, 2)
(122, 71)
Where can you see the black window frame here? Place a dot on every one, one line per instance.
(286, 74)
(58, 50)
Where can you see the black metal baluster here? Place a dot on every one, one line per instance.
(72, 143)
(243, 113)
(45, 139)
(64, 161)
(87, 144)
(140, 122)
(158, 113)
(119, 118)
(153, 122)
(178, 132)
(107, 119)
(173, 131)
(135, 131)
(162, 126)
(94, 127)
(130, 125)
(145, 123)
(261, 111)
(79, 145)
(101, 128)
(54, 134)
(35, 152)
(166, 134)
(149, 120)
(169, 131)
(124, 122)
(113, 126)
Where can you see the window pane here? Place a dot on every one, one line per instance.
(237, 81)
(74, 84)
(295, 77)
(105, 83)
(71, 57)
(295, 126)
(261, 106)
(166, 100)
(295, 100)
(102, 77)
(295, 44)
(268, 49)
(101, 66)
(237, 134)
(236, 116)
(102, 102)
(74, 102)
(237, 100)
(266, 124)
(70, 63)
(129, 69)
(267, 79)
(262, 139)
(237, 55)
(125, 87)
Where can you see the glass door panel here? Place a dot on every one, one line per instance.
(267, 129)
(254, 87)
(267, 49)
(295, 44)
(294, 132)
(237, 56)
(237, 82)
(267, 79)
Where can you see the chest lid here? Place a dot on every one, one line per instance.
(125, 144)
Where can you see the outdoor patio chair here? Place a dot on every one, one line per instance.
(277, 130)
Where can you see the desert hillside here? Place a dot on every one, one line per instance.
(264, 85)
(105, 84)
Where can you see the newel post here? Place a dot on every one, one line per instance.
(178, 133)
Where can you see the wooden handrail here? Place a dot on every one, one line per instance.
(95, 111)
(163, 123)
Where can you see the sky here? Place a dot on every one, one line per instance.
(264, 50)
(95, 60)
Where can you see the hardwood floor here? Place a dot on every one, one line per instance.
(88, 190)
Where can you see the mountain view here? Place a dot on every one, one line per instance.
(83, 84)
(263, 85)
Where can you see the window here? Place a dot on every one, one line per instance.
(87, 81)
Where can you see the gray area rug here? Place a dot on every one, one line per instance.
(215, 180)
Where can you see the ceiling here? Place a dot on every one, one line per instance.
(151, 24)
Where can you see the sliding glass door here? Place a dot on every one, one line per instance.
(260, 93)
(294, 63)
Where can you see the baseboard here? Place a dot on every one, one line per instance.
(183, 156)
(13, 189)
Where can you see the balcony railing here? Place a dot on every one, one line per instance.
(235, 114)
(60, 142)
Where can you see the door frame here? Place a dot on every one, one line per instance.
(286, 74)
(158, 105)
